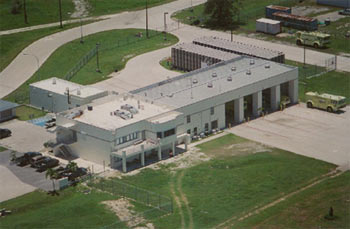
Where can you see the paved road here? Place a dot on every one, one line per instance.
(309, 132)
(24, 66)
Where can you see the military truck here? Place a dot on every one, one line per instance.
(331, 103)
(315, 39)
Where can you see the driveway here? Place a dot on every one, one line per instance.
(25, 136)
(24, 66)
(309, 132)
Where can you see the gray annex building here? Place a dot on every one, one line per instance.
(151, 121)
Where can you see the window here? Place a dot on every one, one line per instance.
(124, 139)
(189, 131)
(212, 111)
(169, 132)
(159, 135)
(195, 131)
(214, 124)
(206, 128)
(188, 118)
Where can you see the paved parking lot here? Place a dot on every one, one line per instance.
(16, 181)
(25, 136)
(310, 132)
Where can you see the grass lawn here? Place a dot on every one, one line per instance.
(334, 82)
(11, 45)
(111, 57)
(307, 209)
(235, 181)
(255, 9)
(38, 12)
(166, 63)
(2, 149)
(25, 113)
(71, 209)
(44, 12)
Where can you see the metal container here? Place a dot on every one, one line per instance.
(296, 22)
(268, 26)
(269, 10)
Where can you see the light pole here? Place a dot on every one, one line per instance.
(97, 59)
(25, 12)
(60, 11)
(165, 25)
(147, 35)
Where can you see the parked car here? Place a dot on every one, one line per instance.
(4, 133)
(36, 161)
(27, 158)
(344, 11)
(46, 164)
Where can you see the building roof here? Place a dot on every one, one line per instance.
(200, 84)
(5, 105)
(60, 86)
(238, 47)
(103, 111)
(205, 51)
(268, 21)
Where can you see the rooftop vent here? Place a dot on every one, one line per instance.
(195, 81)
(123, 114)
(210, 84)
(214, 75)
(252, 61)
(171, 95)
(229, 78)
(129, 108)
(233, 68)
(90, 108)
(53, 81)
(248, 72)
(267, 65)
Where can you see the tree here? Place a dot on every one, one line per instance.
(52, 174)
(16, 6)
(221, 12)
(72, 166)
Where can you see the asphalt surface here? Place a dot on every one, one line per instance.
(16, 181)
(24, 66)
(309, 132)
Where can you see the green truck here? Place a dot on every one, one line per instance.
(315, 39)
(331, 103)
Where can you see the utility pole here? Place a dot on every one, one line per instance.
(165, 25)
(231, 35)
(147, 35)
(25, 12)
(60, 9)
(304, 55)
(97, 59)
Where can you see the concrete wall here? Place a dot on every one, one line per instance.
(54, 102)
(5, 118)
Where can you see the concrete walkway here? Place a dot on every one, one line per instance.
(24, 66)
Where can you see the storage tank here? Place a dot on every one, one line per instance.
(268, 26)
(269, 10)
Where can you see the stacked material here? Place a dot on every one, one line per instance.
(189, 56)
(240, 48)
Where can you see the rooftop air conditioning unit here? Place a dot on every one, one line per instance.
(210, 84)
(229, 78)
(233, 68)
(248, 72)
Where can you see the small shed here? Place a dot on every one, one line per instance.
(7, 110)
(271, 9)
(269, 26)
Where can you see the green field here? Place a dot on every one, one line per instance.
(38, 12)
(25, 113)
(71, 209)
(2, 149)
(116, 48)
(236, 181)
(44, 11)
(307, 209)
(255, 9)
(337, 83)
(11, 45)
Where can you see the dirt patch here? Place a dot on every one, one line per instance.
(80, 9)
(307, 10)
(125, 58)
(123, 209)
(237, 149)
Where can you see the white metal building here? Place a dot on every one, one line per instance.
(151, 121)
(269, 26)
(56, 95)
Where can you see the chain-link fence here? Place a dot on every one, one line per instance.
(156, 205)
